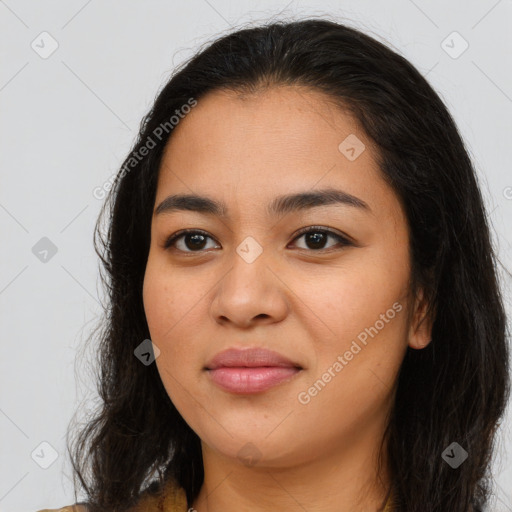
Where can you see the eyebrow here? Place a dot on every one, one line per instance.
(279, 206)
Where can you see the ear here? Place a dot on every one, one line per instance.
(420, 329)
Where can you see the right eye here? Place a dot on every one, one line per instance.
(191, 237)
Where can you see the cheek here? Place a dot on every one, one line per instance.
(347, 300)
(359, 314)
(378, 283)
(171, 315)
(359, 351)
(161, 313)
(167, 302)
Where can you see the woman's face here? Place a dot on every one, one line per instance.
(336, 308)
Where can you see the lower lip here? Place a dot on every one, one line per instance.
(251, 380)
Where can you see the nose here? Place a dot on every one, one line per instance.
(251, 292)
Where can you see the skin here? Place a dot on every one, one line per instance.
(306, 303)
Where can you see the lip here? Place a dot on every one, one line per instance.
(250, 358)
(250, 370)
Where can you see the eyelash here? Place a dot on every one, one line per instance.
(312, 229)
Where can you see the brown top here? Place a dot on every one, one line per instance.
(173, 499)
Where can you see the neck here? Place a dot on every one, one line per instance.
(345, 478)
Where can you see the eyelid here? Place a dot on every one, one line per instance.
(343, 239)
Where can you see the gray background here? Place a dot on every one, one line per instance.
(67, 122)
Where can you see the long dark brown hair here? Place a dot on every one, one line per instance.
(454, 390)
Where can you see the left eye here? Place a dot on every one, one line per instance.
(318, 236)
(196, 239)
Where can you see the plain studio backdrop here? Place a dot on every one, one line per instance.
(76, 78)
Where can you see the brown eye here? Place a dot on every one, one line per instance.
(315, 238)
(190, 241)
(193, 240)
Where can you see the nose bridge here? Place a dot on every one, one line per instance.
(249, 289)
(249, 273)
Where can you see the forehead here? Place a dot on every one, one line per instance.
(277, 141)
(275, 124)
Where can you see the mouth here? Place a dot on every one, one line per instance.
(250, 370)
(251, 380)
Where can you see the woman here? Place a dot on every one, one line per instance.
(304, 310)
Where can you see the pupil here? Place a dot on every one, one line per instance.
(196, 237)
(316, 238)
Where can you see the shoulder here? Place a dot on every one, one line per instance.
(69, 508)
(170, 497)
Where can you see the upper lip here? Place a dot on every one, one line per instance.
(249, 357)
